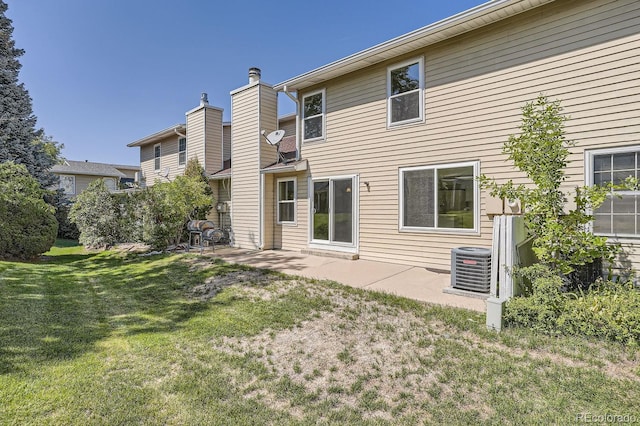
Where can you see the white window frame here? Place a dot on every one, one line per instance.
(420, 90)
(355, 230)
(294, 201)
(589, 181)
(184, 162)
(156, 159)
(322, 114)
(437, 229)
(73, 184)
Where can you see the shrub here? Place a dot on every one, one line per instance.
(129, 215)
(609, 310)
(540, 309)
(168, 206)
(156, 215)
(66, 229)
(194, 170)
(28, 227)
(97, 216)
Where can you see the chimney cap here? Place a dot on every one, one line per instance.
(254, 74)
(204, 99)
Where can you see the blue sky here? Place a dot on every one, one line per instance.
(103, 73)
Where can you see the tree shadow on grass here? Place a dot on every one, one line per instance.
(58, 309)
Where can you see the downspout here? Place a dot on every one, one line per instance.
(297, 102)
(175, 129)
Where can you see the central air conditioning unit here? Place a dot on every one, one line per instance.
(471, 269)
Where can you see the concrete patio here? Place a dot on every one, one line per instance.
(407, 281)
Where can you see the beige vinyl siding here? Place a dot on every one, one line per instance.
(293, 236)
(288, 125)
(168, 159)
(245, 183)
(221, 194)
(147, 172)
(269, 215)
(268, 122)
(83, 182)
(268, 118)
(585, 53)
(196, 135)
(226, 142)
(213, 213)
(213, 140)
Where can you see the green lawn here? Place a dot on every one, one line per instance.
(117, 338)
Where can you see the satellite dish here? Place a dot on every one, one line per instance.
(164, 172)
(274, 138)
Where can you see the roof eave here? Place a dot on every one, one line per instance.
(471, 19)
(220, 176)
(88, 173)
(158, 135)
(297, 166)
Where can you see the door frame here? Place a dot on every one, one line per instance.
(355, 214)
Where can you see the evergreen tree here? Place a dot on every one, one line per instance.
(20, 141)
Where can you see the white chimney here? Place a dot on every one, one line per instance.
(254, 75)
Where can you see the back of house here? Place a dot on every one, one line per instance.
(384, 151)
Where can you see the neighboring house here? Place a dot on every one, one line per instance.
(390, 140)
(75, 176)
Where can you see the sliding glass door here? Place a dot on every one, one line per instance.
(333, 211)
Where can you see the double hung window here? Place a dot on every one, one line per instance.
(619, 215)
(405, 87)
(286, 200)
(156, 157)
(313, 113)
(182, 151)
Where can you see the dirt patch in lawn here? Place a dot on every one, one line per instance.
(378, 359)
(213, 285)
(363, 355)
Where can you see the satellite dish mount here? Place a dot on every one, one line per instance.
(164, 172)
(274, 138)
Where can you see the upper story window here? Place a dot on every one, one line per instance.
(405, 88)
(442, 197)
(68, 184)
(287, 200)
(156, 157)
(182, 151)
(619, 215)
(313, 111)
